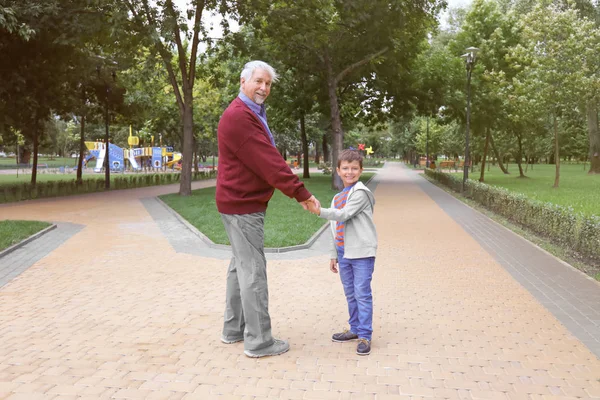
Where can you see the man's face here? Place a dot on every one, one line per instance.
(258, 87)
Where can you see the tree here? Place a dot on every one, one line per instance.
(46, 56)
(163, 26)
(9, 22)
(556, 50)
(330, 38)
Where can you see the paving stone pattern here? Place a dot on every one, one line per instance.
(117, 312)
(570, 295)
(17, 261)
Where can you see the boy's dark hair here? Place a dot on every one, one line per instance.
(349, 155)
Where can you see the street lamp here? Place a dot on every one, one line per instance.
(107, 90)
(427, 145)
(470, 57)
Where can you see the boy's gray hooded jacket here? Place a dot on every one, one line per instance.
(360, 236)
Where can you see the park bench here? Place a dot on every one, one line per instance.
(26, 166)
(447, 164)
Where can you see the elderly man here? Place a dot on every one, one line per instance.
(250, 169)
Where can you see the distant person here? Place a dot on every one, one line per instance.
(250, 169)
(354, 248)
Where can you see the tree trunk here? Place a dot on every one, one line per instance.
(106, 141)
(325, 146)
(306, 173)
(556, 153)
(317, 156)
(36, 143)
(195, 155)
(81, 151)
(485, 152)
(520, 156)
(497, 154)
(336, 124)
(185, 187)
(594, 136)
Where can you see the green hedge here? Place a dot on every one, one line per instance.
(25, 191)
(571, 229)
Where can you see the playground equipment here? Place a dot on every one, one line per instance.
(172, 160)
(135, 159)
(138, 158)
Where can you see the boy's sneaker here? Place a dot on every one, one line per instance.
(278, 347)
(345, 336)
(364, 347)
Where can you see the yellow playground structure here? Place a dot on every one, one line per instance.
(133, 158)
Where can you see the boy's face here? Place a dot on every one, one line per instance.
(349, 171)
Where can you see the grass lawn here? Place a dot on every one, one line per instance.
(576, 189)
(286, 222)
(12, 232)
(54, 162)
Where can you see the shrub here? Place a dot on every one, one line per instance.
(326, 168)
(561, 224)
(24, 191)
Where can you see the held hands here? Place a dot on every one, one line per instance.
(312, 204)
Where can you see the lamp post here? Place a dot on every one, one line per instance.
(107, 90)
(470, 57)
(427, 145)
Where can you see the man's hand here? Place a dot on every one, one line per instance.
(312, 204)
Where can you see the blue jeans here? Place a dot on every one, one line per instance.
(356, 275)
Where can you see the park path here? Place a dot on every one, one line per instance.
(115, 312)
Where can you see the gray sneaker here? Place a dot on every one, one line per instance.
(278, 347)
(345, 336)
(231, 340)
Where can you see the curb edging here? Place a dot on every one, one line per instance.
(510, 231)
(214, 245)
(22, 243)
(276, 250)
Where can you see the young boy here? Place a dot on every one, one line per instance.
(354, 248)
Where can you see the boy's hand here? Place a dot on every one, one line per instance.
(333, 265)
(312, 204)
(314, 208)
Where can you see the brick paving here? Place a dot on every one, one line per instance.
(116, 312)
(570, 295)
(17, 261)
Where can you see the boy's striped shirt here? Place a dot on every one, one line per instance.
(339, 201)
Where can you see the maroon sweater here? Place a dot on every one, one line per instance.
(250, 167)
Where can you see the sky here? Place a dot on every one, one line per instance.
(207, 19)
(453, 4)
(458, 3)
(216, 32)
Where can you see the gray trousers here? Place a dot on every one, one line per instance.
(247, 297)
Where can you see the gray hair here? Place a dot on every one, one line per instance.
(251, 66)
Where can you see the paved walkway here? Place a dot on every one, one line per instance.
(463, 309)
